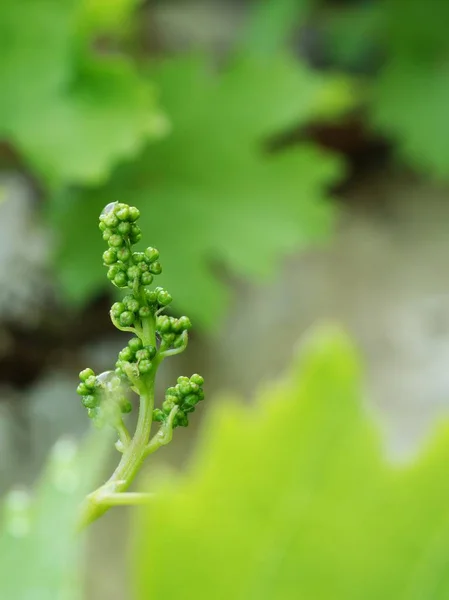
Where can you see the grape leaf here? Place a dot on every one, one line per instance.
(411, 95)
(209, 192)
(294, 498)
(72, 113)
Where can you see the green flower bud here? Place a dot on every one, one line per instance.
(156, 268)
(138, 257)
(133, 272)
(194, 387)
(163, 324)
(117, 308)
(143, 267)
(158, 415)
(150, 295)
(173, 399)
(102, 226)
(179, 341)
(152, 254)
(151, 351)
(123, 213)
(142, 354)
(185, 388)
(124, 228)
(82, 389)
(109, 257)
(185, 323)
(183, 379)
(86, 373)
(144, 312)
(126, 354)
(133, 305)
(112, 272)
(190, 400)
(200, 394)
(126, 318)
(145, 366)
(123, 253)
(177, 326)
(135, 231)
(134, 213)
(120, 279)
(107, 234)
(164, 298)
(172, 391)
(111, 220)
(90, 382)
(181, 420)
(135, 344)
(128, 298)
(89, 401)
(168, 338)
(115, 240)
(146, 278)
(167, 406)
(197, 379)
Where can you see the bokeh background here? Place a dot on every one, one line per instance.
(290, 160)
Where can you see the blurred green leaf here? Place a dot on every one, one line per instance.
(110, 16)
(270, 24)
(40, 557)
(209, 192)
(412, 94)
(293, 498)
(72, 113)
(351, 35)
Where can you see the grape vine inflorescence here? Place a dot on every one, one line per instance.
(156, 336)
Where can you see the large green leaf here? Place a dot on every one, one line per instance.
(210, 192)
(294, 498)
(71, 113)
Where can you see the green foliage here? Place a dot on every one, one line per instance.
(39, 556)
(412, 94)
(71, 112)
(293, 498)
(210, 191)
(402, 47)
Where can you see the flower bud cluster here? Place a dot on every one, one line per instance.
(185, 395)
(138, 355)
(171, 329)
(126, 268)
(133, 307)
(103, 396)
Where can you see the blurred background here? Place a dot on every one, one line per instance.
(290, 160)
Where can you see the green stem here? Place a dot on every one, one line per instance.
(130, 463)
(164, 435)
(123, 433)
(134, 454)
(125, 499)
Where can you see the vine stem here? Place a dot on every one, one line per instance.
(96, 503)
(126, 499)
(99, 501)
